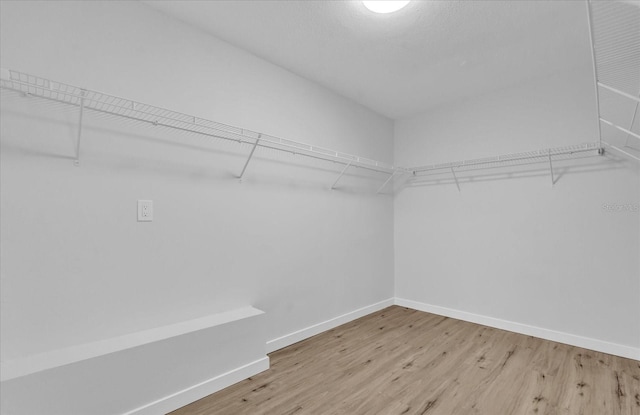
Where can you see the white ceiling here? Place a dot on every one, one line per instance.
(404, 63)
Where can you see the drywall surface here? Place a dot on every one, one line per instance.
(76, 265)
(510, 246)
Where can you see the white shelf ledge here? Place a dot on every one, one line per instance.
(36, 363)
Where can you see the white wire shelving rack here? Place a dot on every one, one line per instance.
(90, 100)
(614, 31)
(546, 156)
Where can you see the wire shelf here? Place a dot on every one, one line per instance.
(614, 29)
(125, 108)
(616, 44)
(110, 105)
(513, 159)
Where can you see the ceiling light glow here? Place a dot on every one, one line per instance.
(383, 6)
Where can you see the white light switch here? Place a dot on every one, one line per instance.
(145, 210)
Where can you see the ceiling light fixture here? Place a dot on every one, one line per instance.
(382, 6)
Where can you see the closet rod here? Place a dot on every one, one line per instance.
(90, 100)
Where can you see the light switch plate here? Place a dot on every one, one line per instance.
(145, 210)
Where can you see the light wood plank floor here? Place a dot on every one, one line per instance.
(402, 361)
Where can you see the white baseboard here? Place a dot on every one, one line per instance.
(296, 336)
(557, 336)
(195, 392)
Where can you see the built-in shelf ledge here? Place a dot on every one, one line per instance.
(36, 363)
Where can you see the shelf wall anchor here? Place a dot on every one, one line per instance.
(77, 160)
(250, 156)
(333, 186)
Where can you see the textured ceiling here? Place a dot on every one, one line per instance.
(400, 64)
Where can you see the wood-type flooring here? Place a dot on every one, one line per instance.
(399, 361)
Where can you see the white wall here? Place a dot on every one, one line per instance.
(77, 267)
(511, 247)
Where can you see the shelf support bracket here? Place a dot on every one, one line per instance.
(250, 156)
(455, 178)
(77, 160)
(333, 186)
(387, 181)
(551, 169)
